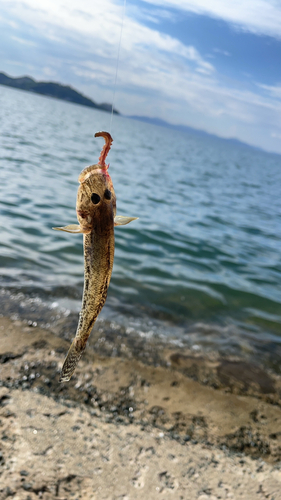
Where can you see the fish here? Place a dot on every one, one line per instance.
(96, 214)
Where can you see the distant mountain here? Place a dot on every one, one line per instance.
(52, 89)
(194, 131)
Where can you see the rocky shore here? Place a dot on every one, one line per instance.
(136, 421)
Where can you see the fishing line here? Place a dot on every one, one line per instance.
(117, 64)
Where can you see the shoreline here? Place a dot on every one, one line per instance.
(168, 423)
(118, 332)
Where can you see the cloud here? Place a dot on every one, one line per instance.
(22, 41)
(95, 29)
(97, 24)
(257, 16)
(272, 90)
(223, 52)
(152, 15)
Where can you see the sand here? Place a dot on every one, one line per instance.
(177, 427)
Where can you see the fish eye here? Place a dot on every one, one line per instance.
(95, 198)
(107, 194)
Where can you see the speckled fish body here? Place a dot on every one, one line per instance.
(96, 213)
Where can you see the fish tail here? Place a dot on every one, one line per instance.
(74, 354)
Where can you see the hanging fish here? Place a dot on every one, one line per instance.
(96, 214)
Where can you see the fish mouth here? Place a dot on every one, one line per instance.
(92, 169)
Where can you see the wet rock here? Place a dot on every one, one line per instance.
(24, 473)
(245, 376)
(249, 441)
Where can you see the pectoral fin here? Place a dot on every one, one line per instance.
(72, 228)
(121, 220)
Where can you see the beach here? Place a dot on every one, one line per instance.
(167, 424)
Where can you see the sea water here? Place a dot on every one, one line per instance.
(201, 267)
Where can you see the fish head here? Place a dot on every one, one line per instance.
(96, 200)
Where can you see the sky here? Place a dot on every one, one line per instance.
(214, 65)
